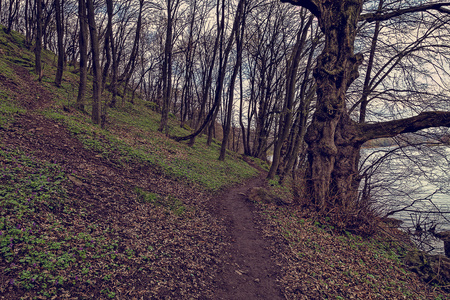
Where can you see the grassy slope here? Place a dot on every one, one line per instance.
(52, 244)
(52, 239)
(131, 128)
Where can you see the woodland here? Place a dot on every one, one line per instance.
(309, 82)
(139, 137)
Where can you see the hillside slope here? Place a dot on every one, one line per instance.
(93, 213)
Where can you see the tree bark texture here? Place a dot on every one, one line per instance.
(337, 67)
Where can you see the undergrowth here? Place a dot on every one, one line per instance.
(334, 264)
(44, 251)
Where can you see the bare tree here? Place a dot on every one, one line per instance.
(334, 139)
(291, 75)
(38, 43)
(60, 34)
(83, 45)
(172, 7)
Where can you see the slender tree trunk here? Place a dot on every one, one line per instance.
(10, 16)
(27, 23)
(167, 70)
(115, 67)
(286, 116)
(237, 66)
(241, 113)
(60, 34)
(38, 46)
(107, 43)
(97, 86)
(83, 38)
(115, 64)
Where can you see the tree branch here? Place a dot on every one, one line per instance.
(308, 4)
(392, 128)
(371, 17)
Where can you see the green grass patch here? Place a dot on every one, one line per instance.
(170, 203)
(8, 110)
(44, 254)
(133, 137)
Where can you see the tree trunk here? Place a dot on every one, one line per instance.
(167, 70)
(241, 112)
(11, 14)
(60, 34)
(107, 43)
(83, 54)
(239, 33)
(38, 46)
(286, 116)
(27, 23)
(336, 69)
(97, 86)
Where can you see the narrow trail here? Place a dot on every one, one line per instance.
(248, 271)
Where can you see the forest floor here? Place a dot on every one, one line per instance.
(85, 223)
(211, 250)
(218, 242)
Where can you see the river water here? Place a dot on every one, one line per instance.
(416, 183)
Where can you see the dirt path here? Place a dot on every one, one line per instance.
(248, 272)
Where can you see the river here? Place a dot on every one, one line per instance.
(417, 182)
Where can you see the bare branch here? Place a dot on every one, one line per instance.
(392, 128)
(372, 17)
(310, 5)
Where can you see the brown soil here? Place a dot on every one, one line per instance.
(248, 271)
